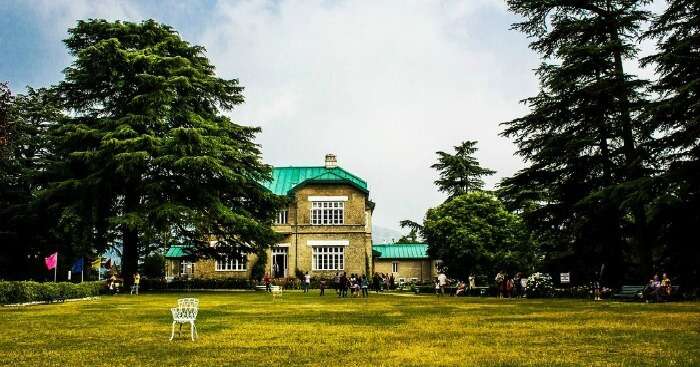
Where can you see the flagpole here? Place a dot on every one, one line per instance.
(55, 268)
(82, 270)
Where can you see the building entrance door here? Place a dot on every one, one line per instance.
(279, 262)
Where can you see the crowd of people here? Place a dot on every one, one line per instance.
(356, 284)
(510, 287)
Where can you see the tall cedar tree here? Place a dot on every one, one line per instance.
(147, 149)
(24, 120)
(583, 139)
(460, 172)
(676, 115)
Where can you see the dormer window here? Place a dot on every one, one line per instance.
(327, 212)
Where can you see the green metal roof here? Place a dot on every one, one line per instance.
(286, 179)
(401, 250)
(177, 252)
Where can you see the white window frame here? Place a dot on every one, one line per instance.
(394, 266)
(183, 267)
(327, 212)
(232, 264)
(328, 258)
(282, 217)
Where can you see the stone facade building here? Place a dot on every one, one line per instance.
(327, 228)
(405, 261)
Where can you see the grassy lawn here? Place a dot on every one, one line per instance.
(246, 328)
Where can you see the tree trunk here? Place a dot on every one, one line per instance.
(130, 241)
(632, 158)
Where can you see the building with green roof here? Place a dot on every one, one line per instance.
(405, 261)
(326, 228)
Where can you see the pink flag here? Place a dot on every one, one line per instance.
(51, 261)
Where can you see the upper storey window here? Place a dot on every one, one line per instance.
(327, 212)
(282, 217)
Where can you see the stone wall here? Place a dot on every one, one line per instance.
(423, 269)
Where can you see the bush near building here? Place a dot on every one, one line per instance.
(29, 291)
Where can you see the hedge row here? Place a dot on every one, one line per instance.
(226, 283)
(28, 291)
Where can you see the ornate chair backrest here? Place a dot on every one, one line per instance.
(187, 308)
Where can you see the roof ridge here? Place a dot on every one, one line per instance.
(351, 174)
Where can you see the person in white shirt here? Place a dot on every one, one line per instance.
(307, 282)
(442, 280)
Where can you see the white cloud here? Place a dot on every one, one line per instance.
(382, 86)
(60, 15)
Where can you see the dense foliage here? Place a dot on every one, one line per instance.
(153, 266)
(24, 222)
(474, 232)
(675, 115)
(596, 180)
(145, 156)
(28, 291)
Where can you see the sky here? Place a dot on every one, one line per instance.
(381, 84)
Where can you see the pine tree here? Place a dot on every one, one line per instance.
(460, 172)
(583, 137)
(675, 114)
(24, 120)
(146, 156)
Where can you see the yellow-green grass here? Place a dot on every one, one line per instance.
(252, 329)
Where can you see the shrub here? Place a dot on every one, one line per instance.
(540, 285)
(257, 272)
(153, 266)
(29, 291)
(222, 283)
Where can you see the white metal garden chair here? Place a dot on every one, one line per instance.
(185, 312)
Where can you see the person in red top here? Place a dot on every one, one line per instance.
(266, 280)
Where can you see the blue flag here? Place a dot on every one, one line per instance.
(78, 265)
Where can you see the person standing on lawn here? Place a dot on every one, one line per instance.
(266, 281)
(353, 281)
(343, 286)
(322, 286)
(442, 280)
(137, 280)
(365, 285)
(307, 282)
(500, 278)
(517, 291)
(336, 283)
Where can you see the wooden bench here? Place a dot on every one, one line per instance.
(630, 292)
(636, 293)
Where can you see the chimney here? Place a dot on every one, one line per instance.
(331, 161)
